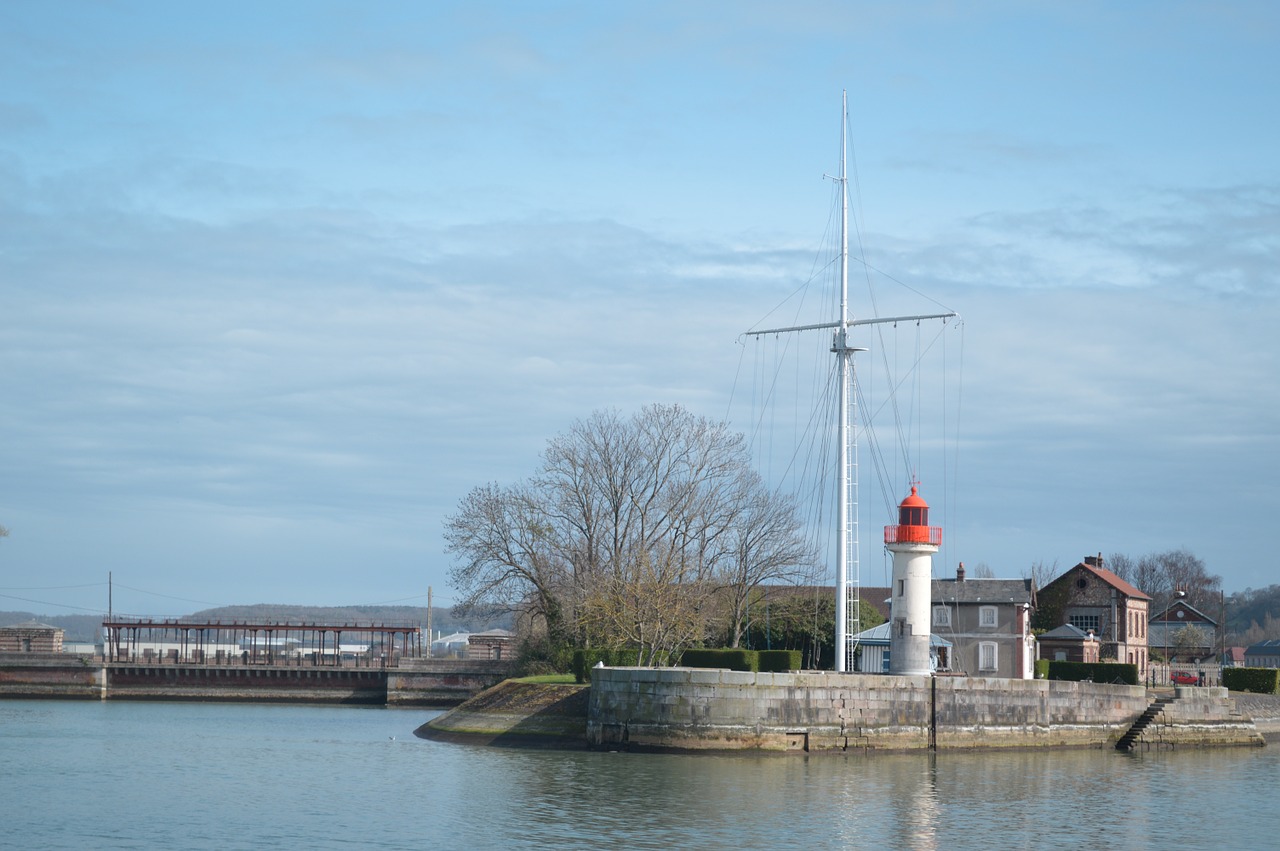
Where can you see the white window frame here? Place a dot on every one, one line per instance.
(1085, 623)
(988, 617)
(941, 616)
(988, 656)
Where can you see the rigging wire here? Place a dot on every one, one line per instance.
(900, 396)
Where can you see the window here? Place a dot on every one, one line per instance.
(987, 616)
(987, 656)
(941, 616)
(1084, 622)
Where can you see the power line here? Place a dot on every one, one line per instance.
(47, 603)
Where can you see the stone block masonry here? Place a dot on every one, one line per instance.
(700, 709)
(415, 682)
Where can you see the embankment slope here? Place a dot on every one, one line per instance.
(516, 714)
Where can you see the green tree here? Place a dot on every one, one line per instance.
(804, 621)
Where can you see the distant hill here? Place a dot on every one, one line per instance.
(1254, 614)
(89, 627)
(442, 620)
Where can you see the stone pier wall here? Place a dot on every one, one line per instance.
(439, 682)
(1199, 716)
(251, 683)
(701, 709)
(52, 675)
(416, 682)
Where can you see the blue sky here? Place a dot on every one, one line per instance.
(283, 281)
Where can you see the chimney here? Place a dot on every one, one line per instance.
(960, 573)
(1094, 561)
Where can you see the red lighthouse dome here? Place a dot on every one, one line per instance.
(913, 523)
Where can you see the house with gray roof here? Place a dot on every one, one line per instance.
(988, 623)
(1069, 643)
(1264, 654)
(1183, 633)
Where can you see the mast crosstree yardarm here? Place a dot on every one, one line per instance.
(847, 596)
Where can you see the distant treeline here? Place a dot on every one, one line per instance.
(1253, 614)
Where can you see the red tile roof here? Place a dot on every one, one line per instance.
(1114, 581)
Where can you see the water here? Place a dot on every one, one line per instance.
(151, 775)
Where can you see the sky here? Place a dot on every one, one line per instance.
(281, 282)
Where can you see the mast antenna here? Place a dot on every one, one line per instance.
(848, 603)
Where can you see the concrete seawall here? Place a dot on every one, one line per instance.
(701, 709)
(413, 682)
(50, 676)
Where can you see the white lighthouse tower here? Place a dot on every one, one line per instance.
(913, 542)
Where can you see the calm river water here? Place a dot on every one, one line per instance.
(161, 775)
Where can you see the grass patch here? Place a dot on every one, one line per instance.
(549, 679)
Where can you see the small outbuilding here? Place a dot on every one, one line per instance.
(493, 644)
(872, 655)
(31, 637)
(1069, 643)
(454, 644)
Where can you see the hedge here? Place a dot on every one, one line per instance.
(1098, 672)
(731, 658)
(585, 660)
(1042, 669)
(779, 660)
(1256, 680)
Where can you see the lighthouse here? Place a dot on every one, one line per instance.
(913, 542)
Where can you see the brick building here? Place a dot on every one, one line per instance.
(1183, 633)
(30, 637)
(1093, 599)
(495, 645)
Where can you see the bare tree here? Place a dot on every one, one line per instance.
(767, 545)
(1147, 575)
(1124, 567)
(1163, 574)
(507, 557)
(1041, 574)
(625, 532)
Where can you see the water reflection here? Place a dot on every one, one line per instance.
(327, 777)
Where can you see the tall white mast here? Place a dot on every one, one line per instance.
(847, 496)
(840, 346)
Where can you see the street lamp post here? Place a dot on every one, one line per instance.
(1178, 594)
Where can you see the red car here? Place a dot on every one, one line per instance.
(1183, 678)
